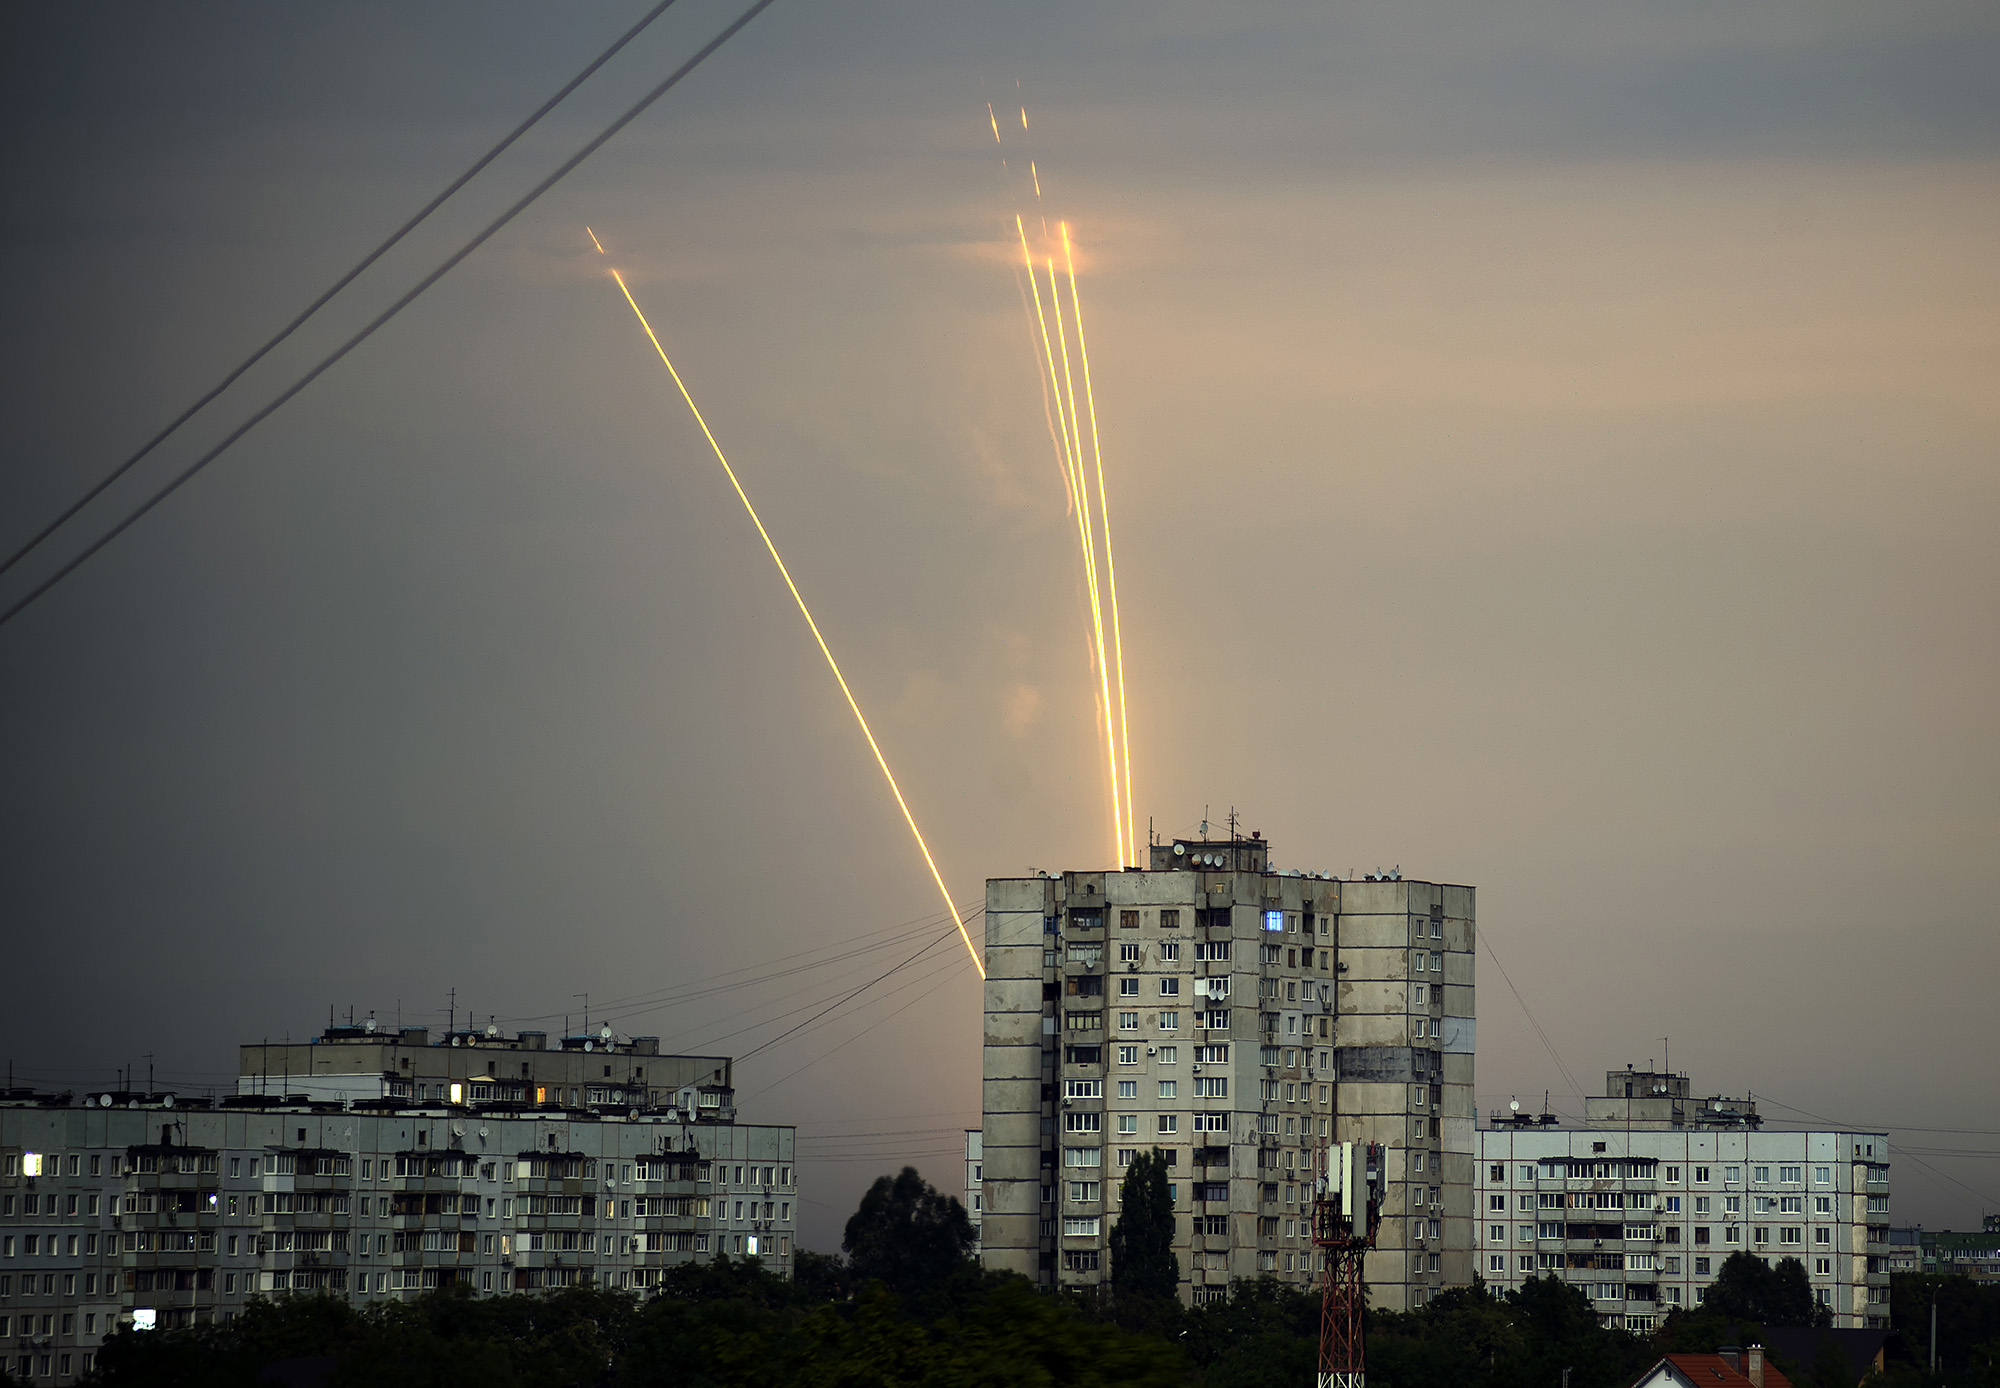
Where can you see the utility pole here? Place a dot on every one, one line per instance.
(1934, 1296)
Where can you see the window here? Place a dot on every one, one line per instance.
(1790, 1234)
(1128, 1122)
(1170, 1055)
(1211, 1087)
(1170, 951)
(1274, 921)
(1128, 953)
(1169, 1123)
(1822, 1175)
(1083, 1192)
(1128, 1089)
(1128, 987)
(1822, 1267)
(1169, 1089)
(1128, 920)
(1083, 1156)
(1170, 920)
(1732, 1175)
(1789, 1175)
(1170, 1021)
(1127, 1055)
(1732, 1234)
(1083, 1089)
(1673, 1175)
(1170, 987)
(1075, 1227)
(1128, 1021)
(1083, 1122)
(1216, 1055)
(1760, 1174)
(1701, 1175)
(1823, 1236)
(1497, 1203)
(1701, 1204)
(1701, 1236)
(1673, 1204)
(1823, 1204)
(1732, 1204)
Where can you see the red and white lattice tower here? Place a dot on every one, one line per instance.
(1345, 1210)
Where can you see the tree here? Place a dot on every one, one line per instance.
(1142, 1241)
(907, 1234)
(1750, 1289)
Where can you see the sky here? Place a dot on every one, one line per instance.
(1550, 446)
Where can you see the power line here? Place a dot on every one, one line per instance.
(317, 304)
(1547, 1045)
(590, 148)
(850, 997)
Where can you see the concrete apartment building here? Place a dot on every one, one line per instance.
(1641, 1205)
(1237, 1017)
(121, 1209)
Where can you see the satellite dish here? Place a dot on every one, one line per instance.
(454, 1040)
(1180, 850)
(1514, 1104)
(492, 1030)
(168, 1101)
(606, 1032)
(587, 1045)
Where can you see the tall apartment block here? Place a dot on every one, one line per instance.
(391, 1164)
(1236, 1017)
(1642, 1204)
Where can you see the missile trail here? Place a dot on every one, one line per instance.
(806, 612)
(1110, 569)
(1074, 476)
(1096, 589)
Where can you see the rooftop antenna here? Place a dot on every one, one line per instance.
(451, 1012)
(586, 1008)
(1232, 824)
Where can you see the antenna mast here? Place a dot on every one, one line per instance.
(1347, 1208)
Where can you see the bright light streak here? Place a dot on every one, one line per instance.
(1073, 466)
(1110, 569)
(1119, 839)
(1024, 118)
(806, 612)
(996, 122)
(593, 240)
(1036, 173)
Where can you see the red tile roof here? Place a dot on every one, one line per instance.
(1713, 1371)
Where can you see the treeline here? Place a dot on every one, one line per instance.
(906, 1306)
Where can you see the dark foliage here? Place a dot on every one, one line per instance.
(1747, 1288)
(1142, 1241)
(907, 1235)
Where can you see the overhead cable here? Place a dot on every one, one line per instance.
(321, 302)
(493, 227)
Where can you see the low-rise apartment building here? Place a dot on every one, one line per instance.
(1642, 1204)
(157, 1210)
